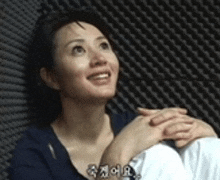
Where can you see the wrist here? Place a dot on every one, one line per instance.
(118, 152)
(114, 155)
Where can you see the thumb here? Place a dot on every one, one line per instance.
(182, 143)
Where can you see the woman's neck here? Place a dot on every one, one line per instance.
(85, 122)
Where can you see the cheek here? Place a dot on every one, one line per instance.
(70, 72)
(73, 67)
(115, 65)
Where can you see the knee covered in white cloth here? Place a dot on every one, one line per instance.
(204, 148)
(202, 158)
(159, 162)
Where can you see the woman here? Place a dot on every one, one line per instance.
(76, 59)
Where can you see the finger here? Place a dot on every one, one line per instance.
(163, 116)
(183, 119)
(149, 117)
(182, 142)
(178, 127)
(173, 121)
(179, 136)
(146, 112)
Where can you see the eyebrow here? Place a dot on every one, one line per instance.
(101, 37)
(82, 40)
(74, 40)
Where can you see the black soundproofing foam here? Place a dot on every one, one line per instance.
(169, 52)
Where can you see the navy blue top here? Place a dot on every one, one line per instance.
(40, 155)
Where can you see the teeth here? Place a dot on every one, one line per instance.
(100, 76)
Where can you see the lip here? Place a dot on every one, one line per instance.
(99, 72)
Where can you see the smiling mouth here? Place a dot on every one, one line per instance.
(99, 76)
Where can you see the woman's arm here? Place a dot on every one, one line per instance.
(140, 135)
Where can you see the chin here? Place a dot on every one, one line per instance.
(104, 97)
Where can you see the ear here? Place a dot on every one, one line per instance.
(49, 78)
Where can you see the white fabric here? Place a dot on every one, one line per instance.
(198, 161)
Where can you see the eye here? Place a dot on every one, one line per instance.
(105, 46)
(78, 50)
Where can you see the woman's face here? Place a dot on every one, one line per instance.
(86, 68)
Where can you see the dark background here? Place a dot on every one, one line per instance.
(169, 51)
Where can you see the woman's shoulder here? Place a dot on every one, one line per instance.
(32, 144)
(32, 154)
(35, 134)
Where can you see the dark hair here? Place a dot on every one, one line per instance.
(47, 100)
(43, 46)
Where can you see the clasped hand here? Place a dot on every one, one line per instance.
(151, 127)
(175, 124)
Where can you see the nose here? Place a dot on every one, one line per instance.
(97, 59)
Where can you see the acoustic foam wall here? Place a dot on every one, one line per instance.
(17, 21)
(169, 52)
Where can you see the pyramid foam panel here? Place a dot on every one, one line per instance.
(169, 52)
